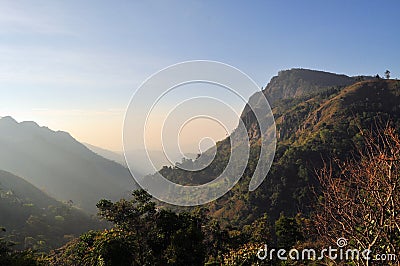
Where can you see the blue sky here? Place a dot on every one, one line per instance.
(73, 65)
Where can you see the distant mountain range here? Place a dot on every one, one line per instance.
(61, 166)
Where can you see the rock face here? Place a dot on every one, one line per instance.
(290, 84)
(60, 165)
(300, 82)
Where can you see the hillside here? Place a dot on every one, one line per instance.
(33, 219)
(313, 124)
(59, 165)
(310, 129)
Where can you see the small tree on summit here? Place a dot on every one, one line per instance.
(387, 74)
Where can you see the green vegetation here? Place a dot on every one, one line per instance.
(142, 235)
(322, 122)
(33, 220)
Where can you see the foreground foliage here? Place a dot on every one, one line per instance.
(142, 235)
(362, 202)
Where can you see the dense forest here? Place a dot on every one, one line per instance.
(336, 174)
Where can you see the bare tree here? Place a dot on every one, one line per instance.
(362, 202)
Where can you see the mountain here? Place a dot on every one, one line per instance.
(57, 163)
(311, 128)
(292, 86)
(318, 117)
(36, 220)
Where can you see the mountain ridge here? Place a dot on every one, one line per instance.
(60, 165)
(299, 81)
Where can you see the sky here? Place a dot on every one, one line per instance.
(74, 65)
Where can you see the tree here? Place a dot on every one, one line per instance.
(387, 74)
(11, 257)
(142, 235)
(287, 232)
(361, 201)
(245, 255)
(160, 237)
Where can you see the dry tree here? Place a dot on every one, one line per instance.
(360, 198)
